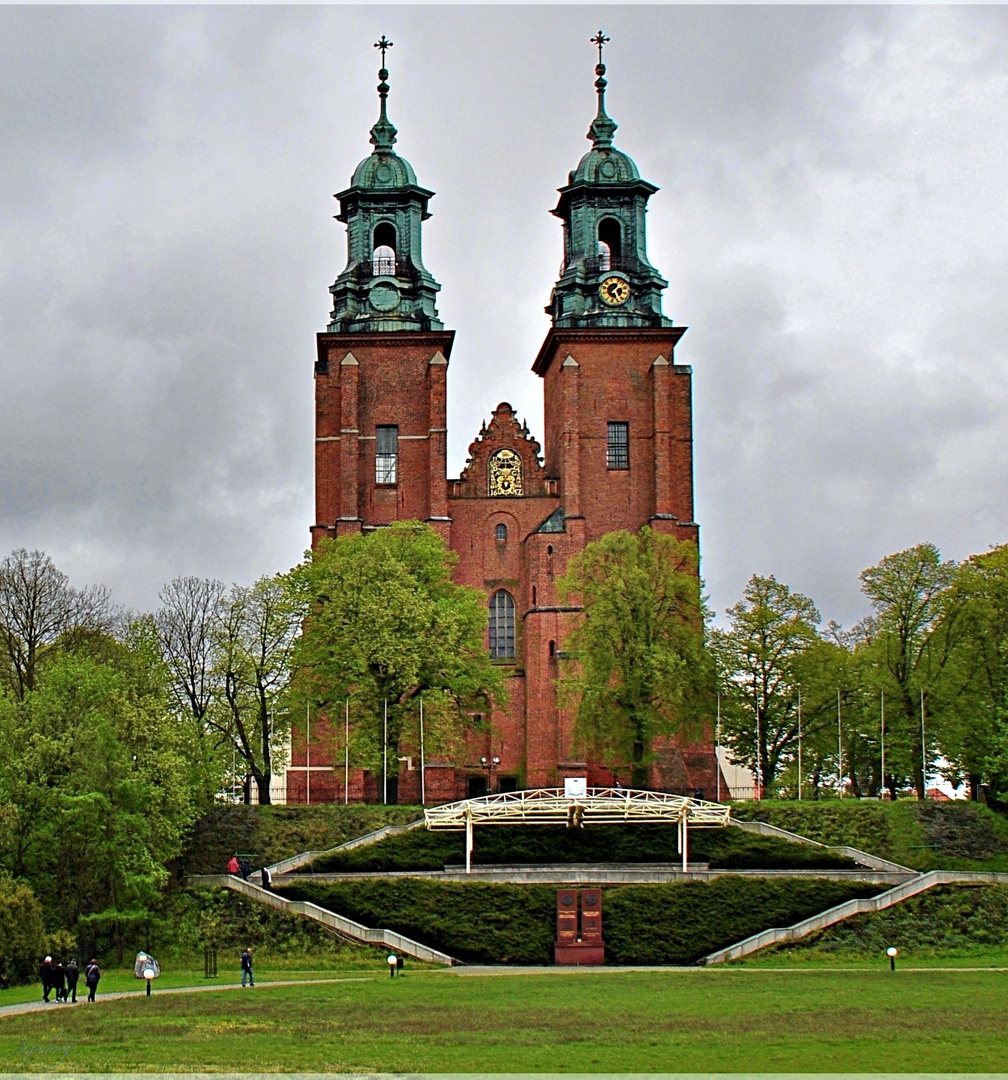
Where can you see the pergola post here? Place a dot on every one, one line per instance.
(685, 841)
(469, 842)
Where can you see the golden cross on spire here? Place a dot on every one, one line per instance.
(600, 39)
(386, 44)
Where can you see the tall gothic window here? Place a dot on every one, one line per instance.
(502, 626)
(618, 445)
(387, 455)
(383, 260)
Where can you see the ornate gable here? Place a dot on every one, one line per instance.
(503, 461)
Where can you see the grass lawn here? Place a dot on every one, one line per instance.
(713, 1020)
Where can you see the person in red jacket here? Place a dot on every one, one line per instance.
(233, 866)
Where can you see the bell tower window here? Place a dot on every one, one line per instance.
(387, 455)
(502, 626)
(609, 252)
(383, 258)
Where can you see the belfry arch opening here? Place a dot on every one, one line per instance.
(383, 257)
(609, 244)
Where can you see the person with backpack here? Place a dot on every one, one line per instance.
(72, 974)
(92, 973)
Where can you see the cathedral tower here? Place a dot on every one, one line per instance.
(618, 408)
(380, 430)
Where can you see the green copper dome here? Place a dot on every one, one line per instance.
(605, 165)
(382, 170)
(384, 286)
(606, 280)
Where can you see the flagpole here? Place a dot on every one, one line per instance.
(385, 757)
(799, 745)
(717, 749)
(923, 749)
(882, 710)
(423, 787)
(346, 755)
(307, 753)
(839, 735)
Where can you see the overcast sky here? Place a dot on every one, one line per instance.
(831, 219)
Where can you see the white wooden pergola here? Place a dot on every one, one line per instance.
(598, 806)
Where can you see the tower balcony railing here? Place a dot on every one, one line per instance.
(382, 267)
(600, 264)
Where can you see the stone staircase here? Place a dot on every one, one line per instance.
(916, 885)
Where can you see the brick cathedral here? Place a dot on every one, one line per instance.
(617, 450)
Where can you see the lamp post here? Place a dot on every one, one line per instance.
(892, 952)
(489, 763)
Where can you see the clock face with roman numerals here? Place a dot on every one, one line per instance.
(614, 291)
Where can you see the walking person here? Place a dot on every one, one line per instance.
(246, 966)
(92, 973)
(72, 975)
(59, 980)
(46, 975)
(233, 866)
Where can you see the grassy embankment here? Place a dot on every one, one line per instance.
(721, 1020)
(921, 835)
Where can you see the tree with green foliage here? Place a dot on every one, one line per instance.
(255, 635)
(387, 624)
(188, 630)
(912, 636)
(641, 670)
(769, 649)
(42, 615)
(21, 937)
(973, 734)
(95, 790)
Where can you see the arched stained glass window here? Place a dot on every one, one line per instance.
(502, 626)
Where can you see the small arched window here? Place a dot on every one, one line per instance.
(608, 244)
(501, 532)
(383, 260)
(502, 626)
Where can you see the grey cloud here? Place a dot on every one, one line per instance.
(832, 188)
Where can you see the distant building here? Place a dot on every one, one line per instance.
(618, 449)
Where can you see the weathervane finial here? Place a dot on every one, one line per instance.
(384, 44)
(383, 134)
(602, 128)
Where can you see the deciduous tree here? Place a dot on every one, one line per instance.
(385, 624)
(641, 670)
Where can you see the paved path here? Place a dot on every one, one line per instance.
(52, 1007)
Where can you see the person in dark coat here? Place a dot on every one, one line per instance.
(72, 975)
(267, 878)
(46, 975)
(92, 973)
(246, 966)
(59, 980)
(246, 869)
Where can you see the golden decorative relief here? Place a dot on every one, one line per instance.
(505, 473)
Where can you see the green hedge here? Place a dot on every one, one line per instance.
(924, 835)
(724, 849)
(515, 924)
(941, 920)
(277, 832)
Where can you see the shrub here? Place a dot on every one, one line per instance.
(21, 937)
(724, 849)
(516, 924)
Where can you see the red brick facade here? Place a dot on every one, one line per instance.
(590, 377)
